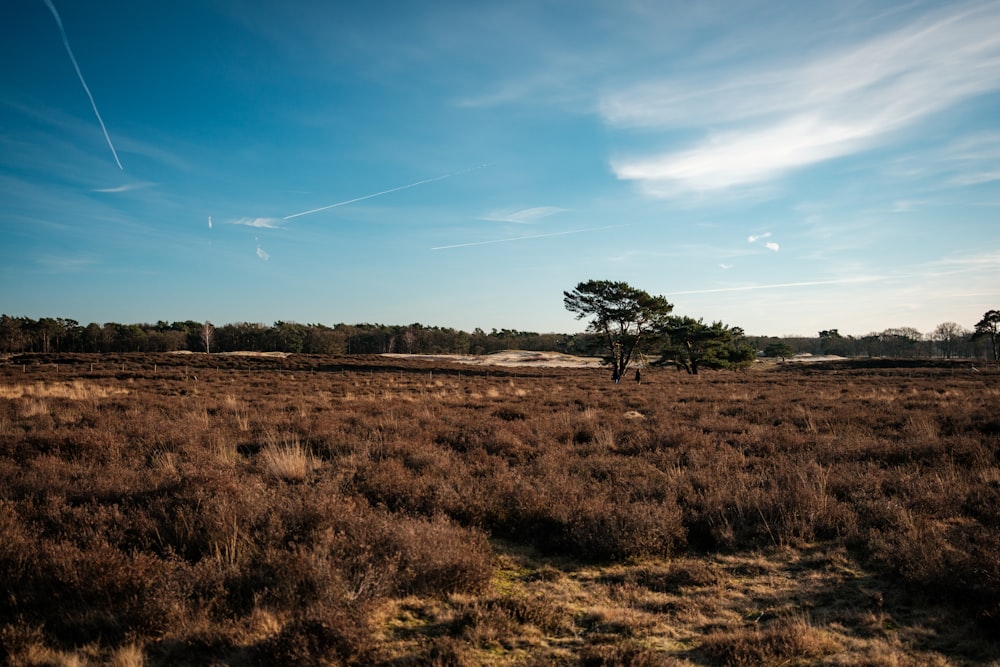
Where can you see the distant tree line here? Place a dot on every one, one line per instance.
(22, 334)
(949, 340)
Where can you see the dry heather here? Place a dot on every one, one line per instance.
(310, 510)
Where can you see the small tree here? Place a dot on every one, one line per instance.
(289, 337)
(989, 328)
(831, 342)
(692, 344)
(207, 334)
(623, 315)
(48, 330)
(778, 349)
(948, 335)
(409, 339)
(900, 341)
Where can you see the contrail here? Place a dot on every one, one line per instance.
(524, 238)
(810, 283)
(62, 31)
(384, 192)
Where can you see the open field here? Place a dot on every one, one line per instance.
(186, 509)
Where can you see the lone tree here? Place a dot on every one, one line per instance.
(989, 327)
(778, 349)
(207, 334)
(622, 315)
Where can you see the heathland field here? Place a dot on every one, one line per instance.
(364, 510)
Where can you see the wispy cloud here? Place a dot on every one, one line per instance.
(771, 245)
(524, 216)
(774, 286)
(765, 125)
(904, 206)
(977, 178)
(525, 238)
(259, 223)
(969, 160)
(123, 188)
(975, 159)
(64, 264)
(987, 261)
(263, 254)
(79, 74)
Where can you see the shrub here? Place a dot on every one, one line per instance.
(784, 641)
(321, 636)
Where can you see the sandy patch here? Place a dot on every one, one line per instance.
(278, 355)
(807, 358)
(510, 358)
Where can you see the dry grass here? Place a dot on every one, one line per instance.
(309, 511)
(76, 390)
(285, 458)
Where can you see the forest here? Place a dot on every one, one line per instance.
(60, 335)
(22, 334)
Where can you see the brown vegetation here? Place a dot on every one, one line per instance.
(317, 510)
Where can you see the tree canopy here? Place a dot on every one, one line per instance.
(989, 327)
(778, 349)
(621, 314)
(691, 344)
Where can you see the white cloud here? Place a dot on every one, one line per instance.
(725, 266)
(260, 223)
(764, 125)
(523, 216)
(771, 245)
(124, 188)
(739, 158)
(263, 254)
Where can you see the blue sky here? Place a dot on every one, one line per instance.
(786, 167)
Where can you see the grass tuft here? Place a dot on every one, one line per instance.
(285, 458)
